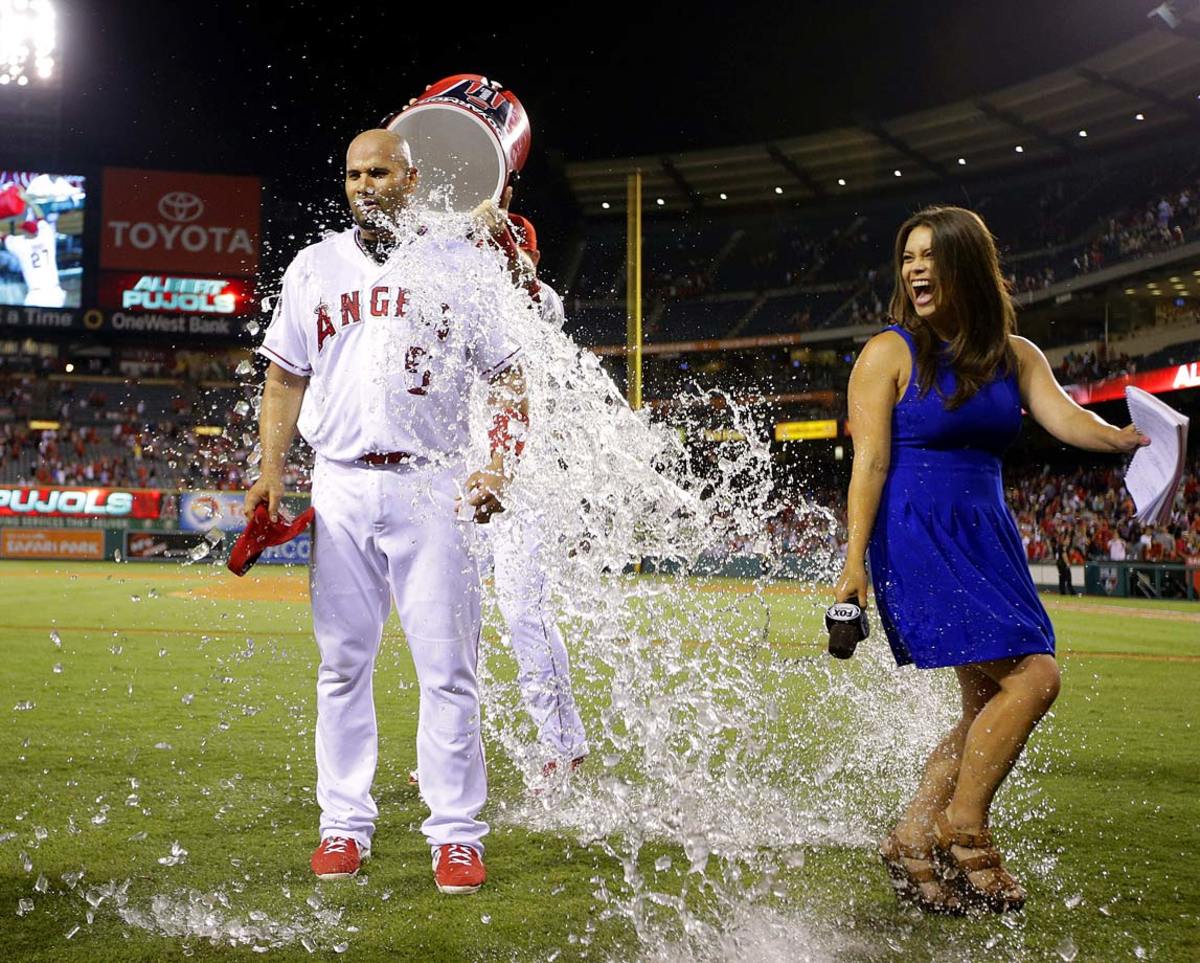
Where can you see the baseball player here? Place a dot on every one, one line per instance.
(521, 584)
(389, 429)
(517, 547)
(36, 253)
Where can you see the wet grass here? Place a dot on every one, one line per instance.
(164, 688)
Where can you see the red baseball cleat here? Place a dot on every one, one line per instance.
(458, 868)
(338, 857)
(551, 767)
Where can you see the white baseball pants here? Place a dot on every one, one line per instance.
(543, 666)
(389, 534)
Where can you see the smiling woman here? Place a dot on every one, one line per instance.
(934, 401)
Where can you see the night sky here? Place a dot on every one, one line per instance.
(220, 86)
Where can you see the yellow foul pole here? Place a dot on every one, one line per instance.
(633, 290)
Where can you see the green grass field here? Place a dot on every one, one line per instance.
(175, 712)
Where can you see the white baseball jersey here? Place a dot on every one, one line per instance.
(389, 357)
(37, 256)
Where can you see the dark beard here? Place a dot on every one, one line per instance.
(378, 247)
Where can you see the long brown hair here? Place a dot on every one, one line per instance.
(972, 290)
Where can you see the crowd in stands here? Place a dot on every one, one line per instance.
(769, 371)
(1160, 223)
(109, 433)
(1093, 365)
(1089, 515)
(1163, 220)
(1081, 515)
(135, 454)
(1071, 225)
(1021, 283)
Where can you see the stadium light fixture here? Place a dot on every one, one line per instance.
(69, 368)
(1019, 149)
(605, 205)
(1131, 290)
(1139, 116)
(1174, 279)
(841, 182)
(779, 190)
(659, 201)
(1083, 133)
(897, 173)
(28, 41)
(724, 196)
(962, 162)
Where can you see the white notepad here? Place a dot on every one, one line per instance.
(1155, 472)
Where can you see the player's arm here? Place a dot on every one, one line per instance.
(508, 405)
(1057, 412)
(282, 396)
(871, 396)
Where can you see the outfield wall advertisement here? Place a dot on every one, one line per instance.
(202, 511)
(92, 503)
(296, 552)
(156, 546)
(178, 546)
(52, 543)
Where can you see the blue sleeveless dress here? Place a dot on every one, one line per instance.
(951, 580)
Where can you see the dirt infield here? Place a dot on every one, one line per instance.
(249, 590)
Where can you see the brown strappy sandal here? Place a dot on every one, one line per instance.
(922, 886)
(1001, 894)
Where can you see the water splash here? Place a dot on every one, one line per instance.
(708, 735)
(191, 914)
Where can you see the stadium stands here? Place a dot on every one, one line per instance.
(1088, 511)
(801, 269)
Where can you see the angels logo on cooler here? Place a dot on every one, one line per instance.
(480, 94)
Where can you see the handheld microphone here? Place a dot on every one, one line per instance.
(847, 625)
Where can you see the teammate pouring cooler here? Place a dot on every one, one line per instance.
(520, 570)
(373, 359)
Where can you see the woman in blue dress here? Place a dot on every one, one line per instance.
(934, 401)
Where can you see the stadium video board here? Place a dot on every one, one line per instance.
(41, 238)
(140, 291)
(168, 224)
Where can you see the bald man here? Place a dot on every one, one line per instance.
(376, 374)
